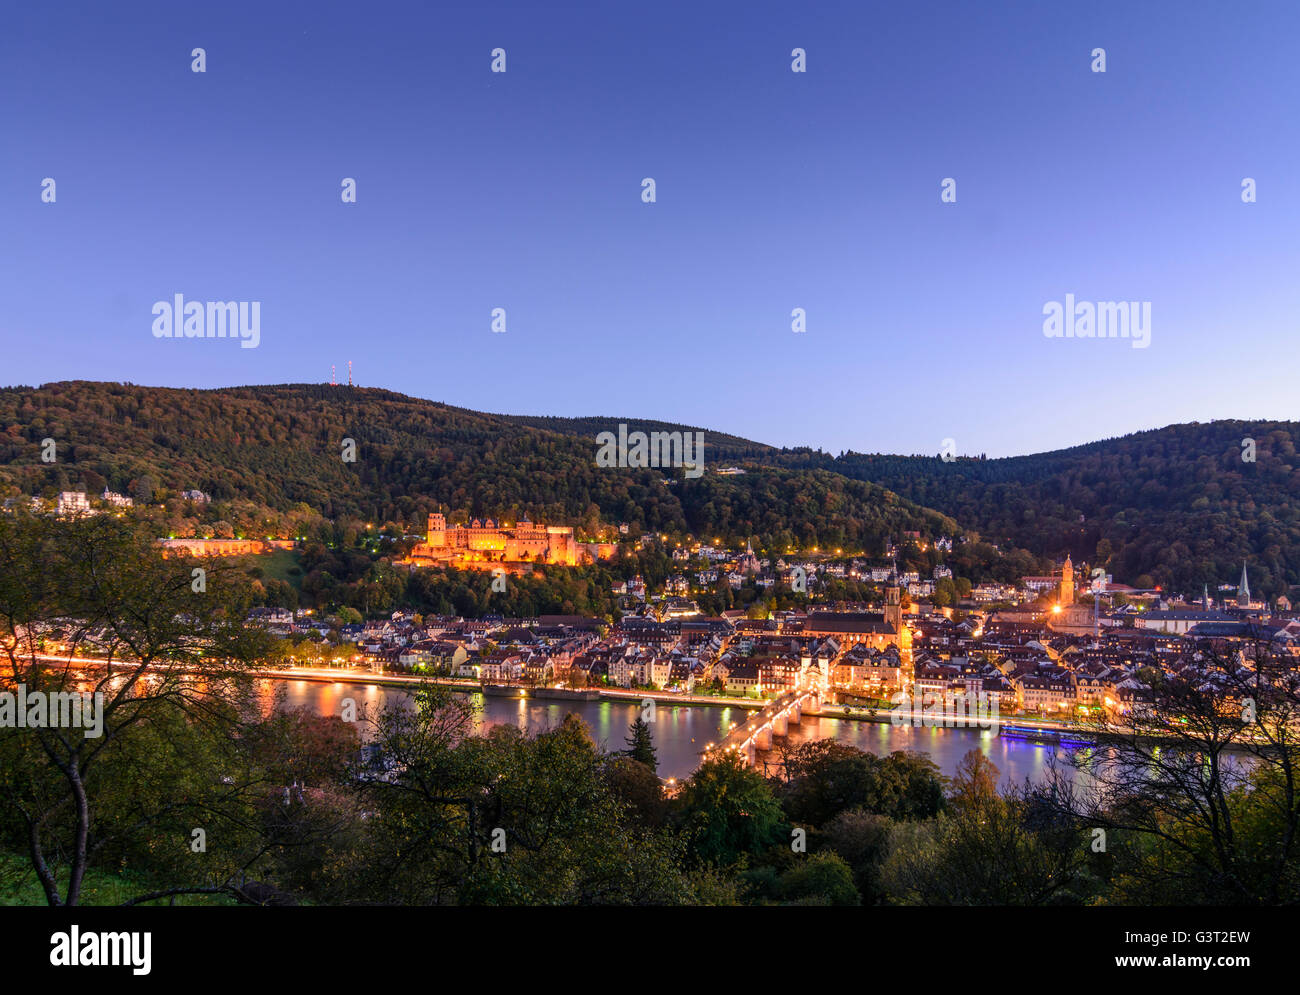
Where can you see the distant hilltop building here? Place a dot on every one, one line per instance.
(73, 503)
(484, 542)
(33, 504)
(222, 547)
(116, 500)
(197, 496)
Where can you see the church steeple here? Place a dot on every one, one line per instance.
(1067, 582)
(1243, 589)
(894, 605)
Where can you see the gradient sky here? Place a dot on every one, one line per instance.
(775, 190)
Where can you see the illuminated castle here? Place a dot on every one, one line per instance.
(483, 542)
(222, 547)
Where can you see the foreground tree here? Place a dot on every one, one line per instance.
(99, 588)
(640, 744)
(823, 778)
(987, 849)
(862, 839)
(1197, 788)
(639, 788)
(728, 811)
(820, 879)
(506, 818)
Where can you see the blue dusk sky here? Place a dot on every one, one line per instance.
(775, 190)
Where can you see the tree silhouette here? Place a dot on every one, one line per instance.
(640, 744)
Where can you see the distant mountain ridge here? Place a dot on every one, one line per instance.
(721, 446)
(1177, 506)
(282, 445)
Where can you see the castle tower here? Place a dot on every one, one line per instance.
(437, 530)
(1067, 582)
(1243, 590)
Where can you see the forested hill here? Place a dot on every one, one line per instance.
(722, 448)
(1176, 506)
(281, 446)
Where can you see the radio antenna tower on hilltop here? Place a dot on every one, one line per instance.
(333, 379)
(349, 373)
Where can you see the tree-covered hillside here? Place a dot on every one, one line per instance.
(282, 446)
(1177, 506)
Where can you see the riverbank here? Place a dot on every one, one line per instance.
(881, 715)
(681, 734)
(853, 713)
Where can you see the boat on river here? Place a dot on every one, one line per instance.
(1048, 737)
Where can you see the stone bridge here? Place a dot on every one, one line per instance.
(756, 732)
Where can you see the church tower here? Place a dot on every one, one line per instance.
(1243, 590)
(1067, 582)
(894, 605)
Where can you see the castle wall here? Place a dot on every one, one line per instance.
(222, 547)
(527, 542)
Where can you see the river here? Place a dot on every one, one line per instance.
(681, 732)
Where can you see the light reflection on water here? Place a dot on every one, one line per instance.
(681, 733)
